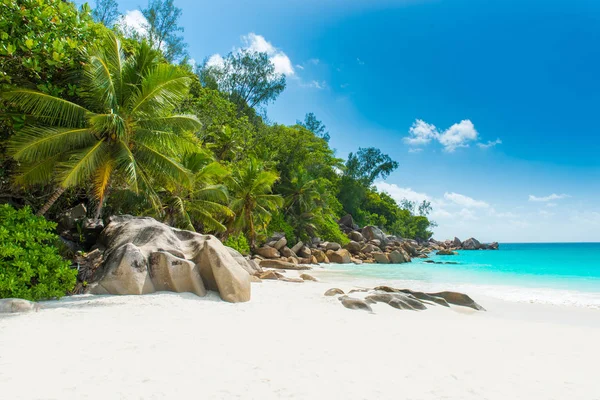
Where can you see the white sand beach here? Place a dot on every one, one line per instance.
(292, 342)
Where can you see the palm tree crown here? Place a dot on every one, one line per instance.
(252, 201)
(123, 131)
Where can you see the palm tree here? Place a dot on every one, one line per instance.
(204, 204)
(252, 201)
(123, 131)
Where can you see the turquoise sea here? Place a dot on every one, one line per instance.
(554, 273)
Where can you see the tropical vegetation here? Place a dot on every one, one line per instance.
(92, 111)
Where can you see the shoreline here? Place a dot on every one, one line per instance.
(290, 341)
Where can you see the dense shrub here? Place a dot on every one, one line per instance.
(30, 266)
(239, 243)
(329, 230)
(279, 224)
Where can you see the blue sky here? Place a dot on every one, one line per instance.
(432, 83)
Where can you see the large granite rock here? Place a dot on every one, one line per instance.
(471, 244)
(353, 247)
(333, 246)
(143, 255)
(280, 264)
(381, 258)
(372, 232)
(356, 236)
(398, 257)
(341, 256)
(267, 252)
(456, 242)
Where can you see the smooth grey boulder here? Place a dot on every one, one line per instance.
(333, 246)
(143, 255)
(355, 304)
(397, 257)
(297, 247)
(353, 247)
(11, 305)
(471, 244)
(372, 232)
(381, 258)
(267, 252)
(459, 299)
(356, 236)
(333, 292)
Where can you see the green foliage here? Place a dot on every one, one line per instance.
(163, 29)
(239, 243)
(246, 76)
(30, 265)
(124, 132)
(252, 200)
(279, 224)
(41, 41)
(106, 12)
(315, 126)
(329, 230)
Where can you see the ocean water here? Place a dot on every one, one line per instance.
(552, 273)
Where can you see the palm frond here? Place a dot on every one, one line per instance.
(82, 165)
(170, 142)
(161, 165)
(172, 122)
(36, 142)
(161, 90)
(47, 108)
(38, 172)
(101, 179)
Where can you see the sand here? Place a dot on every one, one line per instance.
(292, 342)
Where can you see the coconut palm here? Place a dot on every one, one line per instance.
(252, 201)
(123, 132)
(204, 204)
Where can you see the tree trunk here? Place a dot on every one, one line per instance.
(251, 229)
(99, 210)
(51, 201)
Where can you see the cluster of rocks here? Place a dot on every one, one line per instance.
(402, 299)
(367, 245)
(448, 246)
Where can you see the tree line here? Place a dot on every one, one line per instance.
(121, 120)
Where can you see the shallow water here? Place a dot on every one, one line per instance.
(557, 273)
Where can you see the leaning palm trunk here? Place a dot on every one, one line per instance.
(57, 193)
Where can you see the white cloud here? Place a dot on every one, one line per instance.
(282, 63)
(359, 61)
(314, 61)
(315, 84)
(458, 135)
(416, 150)
(465, 201)
(421, 133)
(553, 196)
(133, 22)
(215, 61)
(467, 214)
(398, 193)
(489, 144)
(344, 85)
(257, 43)
(551, 205)
(299, 66)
